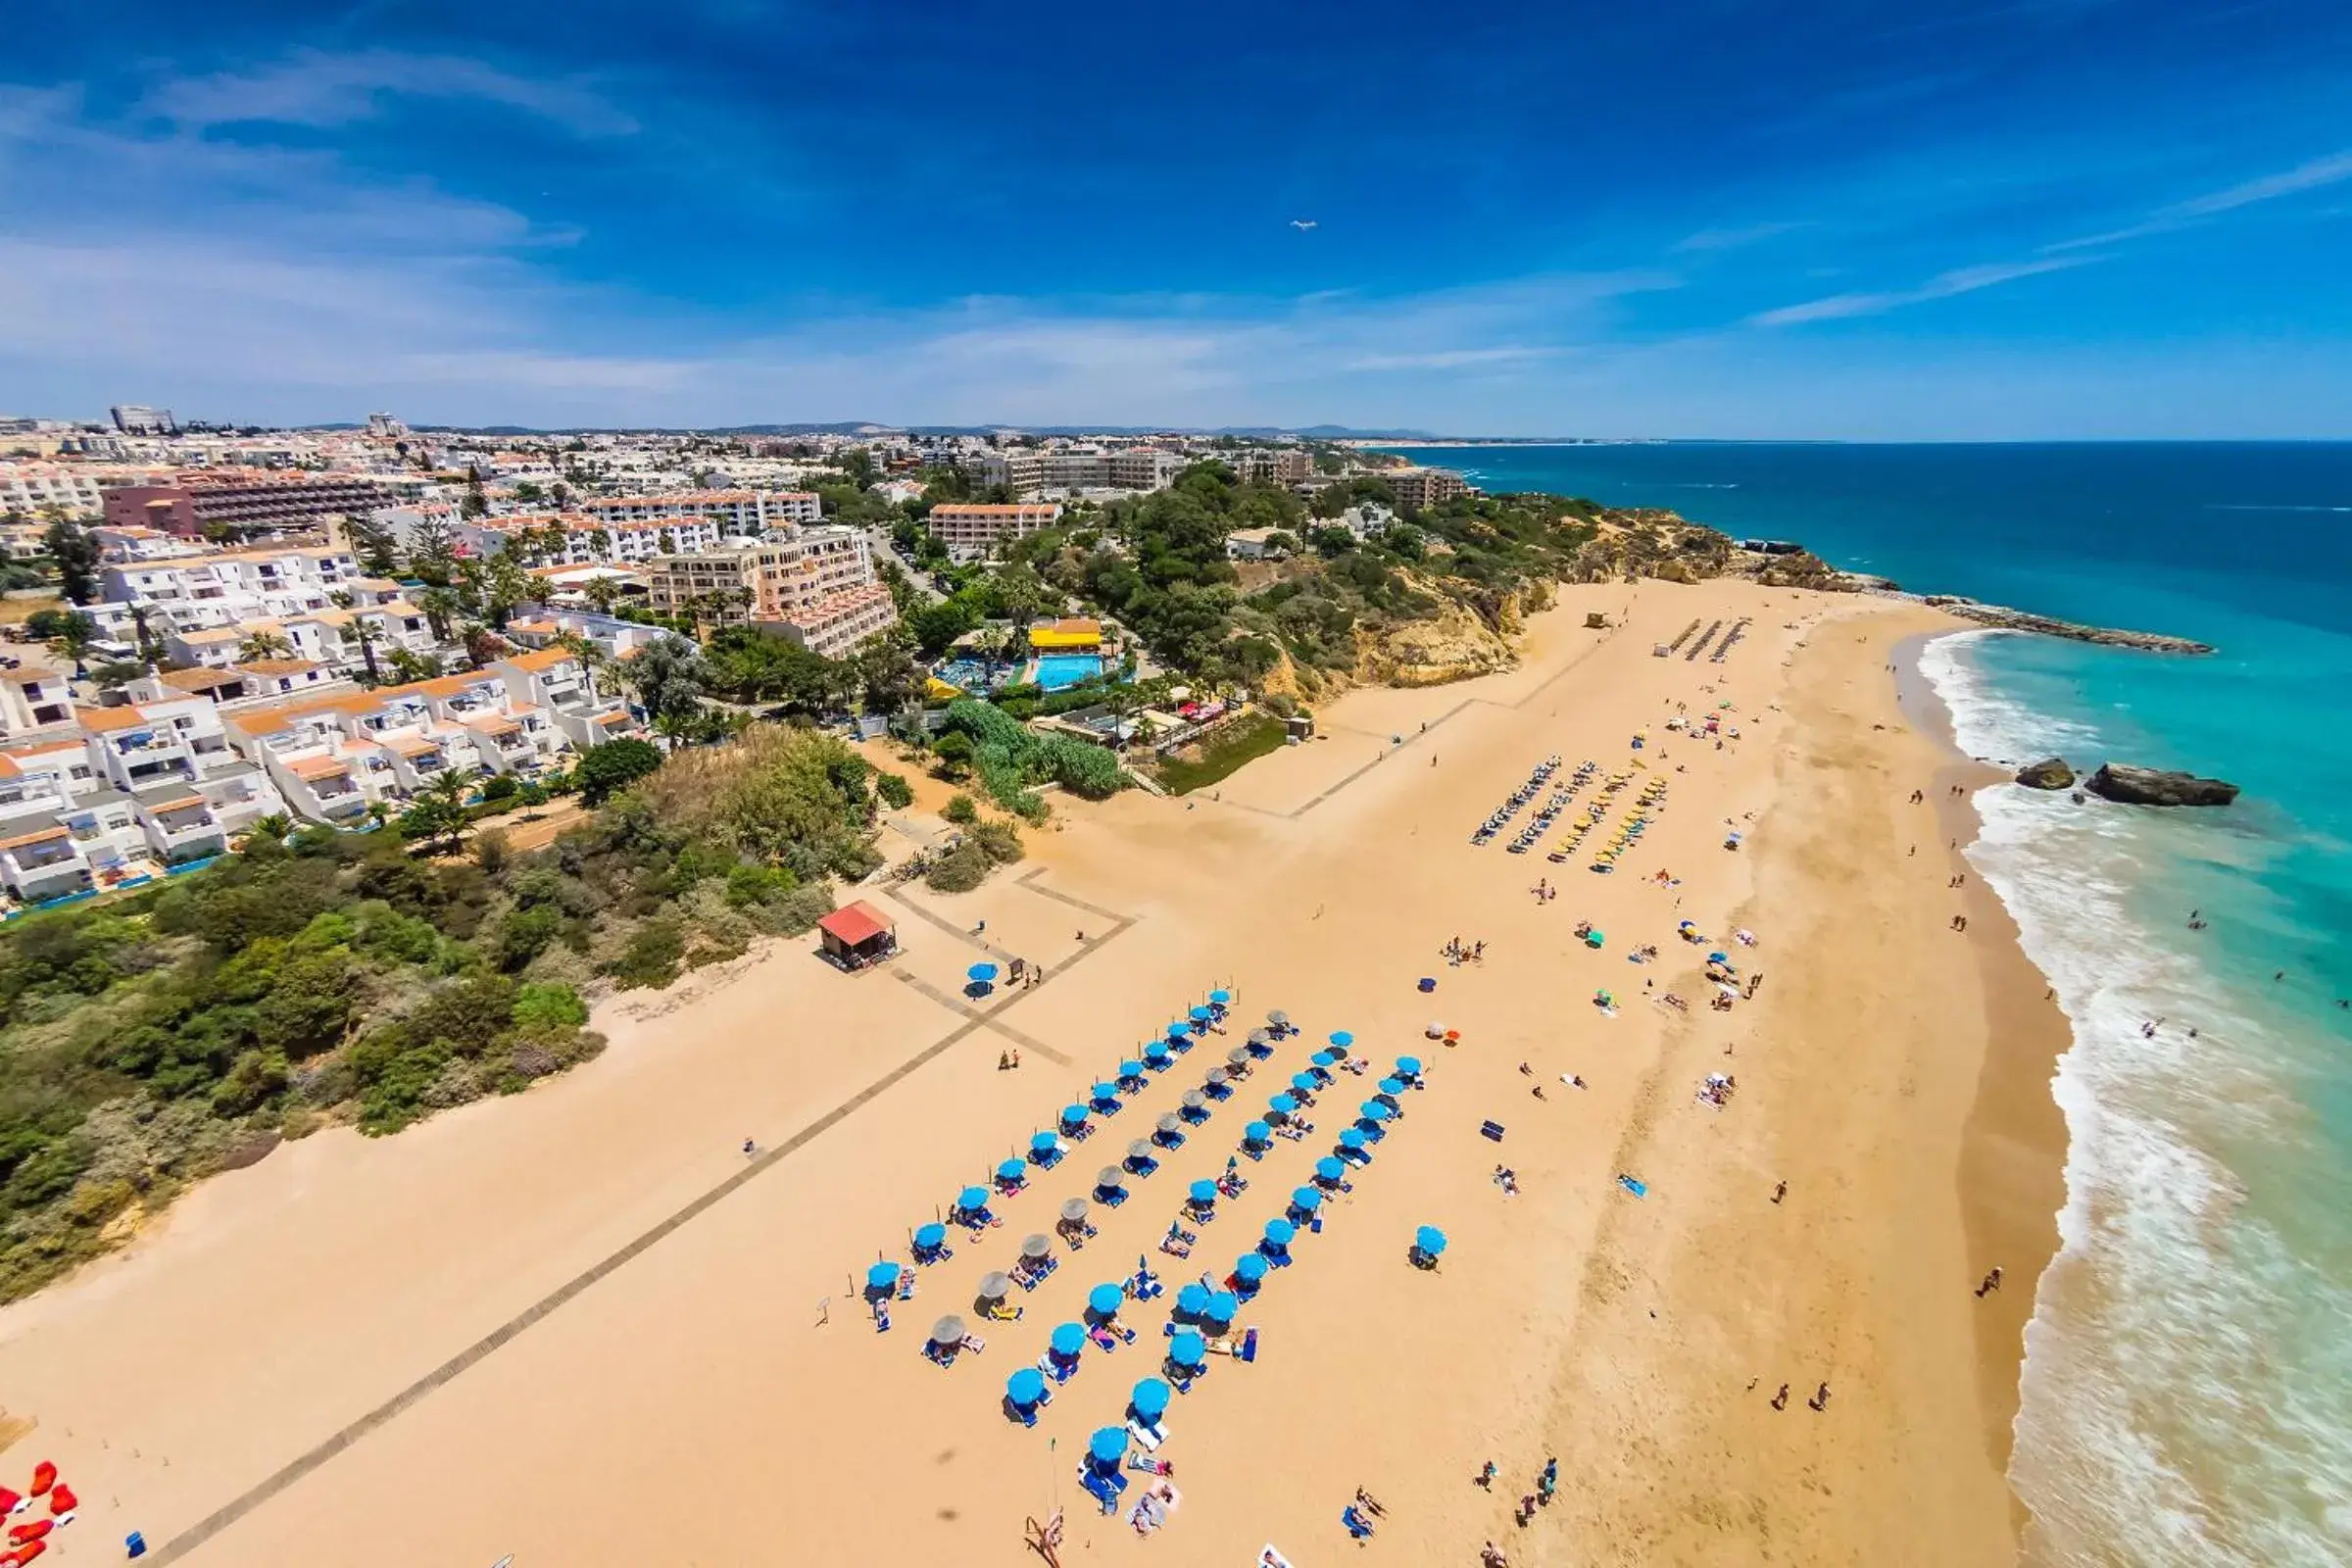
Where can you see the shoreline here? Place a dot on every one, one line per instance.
(2015, 1142)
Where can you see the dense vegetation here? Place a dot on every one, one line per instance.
(1011, 759)
(148, 1041)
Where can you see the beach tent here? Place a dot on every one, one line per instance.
(1150, 1399)
(882, 1279)
(1104, 1301)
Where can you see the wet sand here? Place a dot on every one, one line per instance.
(581, 1327)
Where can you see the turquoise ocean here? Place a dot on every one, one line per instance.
(2187, 1388)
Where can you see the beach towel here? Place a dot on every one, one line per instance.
(1270, 1559)
(1639, 1189)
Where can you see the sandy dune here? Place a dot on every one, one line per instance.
(579, 1327)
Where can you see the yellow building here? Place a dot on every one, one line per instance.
(1075, 636)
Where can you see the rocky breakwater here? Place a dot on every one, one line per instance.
(2003, 618)
(2151, 785)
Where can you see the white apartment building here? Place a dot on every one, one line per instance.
(1021, 470)
(971, 530)
(1422, 487)
(838, 622)
(35, 694)
(739, 511)
(591, 541)
(79, 488)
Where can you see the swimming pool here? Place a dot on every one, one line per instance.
(1058, 671)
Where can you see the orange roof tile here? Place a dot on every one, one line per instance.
(310, 768)
(33, 838)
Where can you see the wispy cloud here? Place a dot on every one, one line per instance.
(2315, 174)
(1726, 240)
(1944, 285)
(1454, 359)
(316, 88)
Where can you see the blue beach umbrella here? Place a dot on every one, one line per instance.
(1408, 1066)
(1304, 1082)
(1374, 1111)
(1282, 1104)
(1191, 1300)
(1106, 1094)
(1046, 1143)
(1325, 1058)
(1392, 1086)
(1331, 1171)
(1067, 1341)
(1108, 1446)
(1281, 1232)
(929, 1238)
(1200, 1014)
(1352, 1138)
(1156, 1053)
(1258, 1134)
(1430, 1240)
(1249, 1268)
(1222, 1305)
(882, 1276)
(1187, 1350)
(1341, 1039)
(1203, 1193)
(1073, 1115)
(982, 972)
(1130, 1068)
(1009, 1171)
(1104, 1301)
(1150, 1399)
(971, 1199)
(1179, 1030)
(1025, 1387)
(1305, 1200)
(1220, 997)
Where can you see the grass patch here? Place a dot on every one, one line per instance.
(1244, 740)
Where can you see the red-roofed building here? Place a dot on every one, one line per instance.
(856, 935)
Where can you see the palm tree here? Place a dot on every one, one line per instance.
(443, 801)
(438, 605)
(264, 645)
(143, 633)
(363, 633)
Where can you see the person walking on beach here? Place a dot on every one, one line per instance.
(1992, 1282)
(1371, 1504)
(1780, 1400)
(1485, 1472)
(749, 1148)
(1820, 1399)
(1780, 1192)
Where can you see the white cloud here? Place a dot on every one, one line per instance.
(1454, 359)
(2315, 174)
(1944, 285)
(1725, 240)
(316, 88)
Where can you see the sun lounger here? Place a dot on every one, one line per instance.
(1149, 1438)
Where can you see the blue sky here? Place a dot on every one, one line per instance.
(1838, 219)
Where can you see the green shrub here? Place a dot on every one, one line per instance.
(895, 791)
(961, 810)
(651, 958)
(542, 1008)
(960, 870)
(1000, 841)
(605, 771)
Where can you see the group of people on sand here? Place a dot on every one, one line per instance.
(1457, 953)
(1547, 1486)
(1358, 1515)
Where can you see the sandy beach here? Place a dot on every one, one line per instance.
(581, 1327)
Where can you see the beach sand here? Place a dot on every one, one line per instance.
(578, 1326)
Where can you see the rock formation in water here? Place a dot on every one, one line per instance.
(2050, 773)
(2152, 786)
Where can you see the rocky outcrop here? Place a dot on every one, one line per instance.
(2050, 773)
(1453, 645)
(2006, 620)
(2150, 786)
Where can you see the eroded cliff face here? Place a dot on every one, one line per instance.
(1454, 643)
